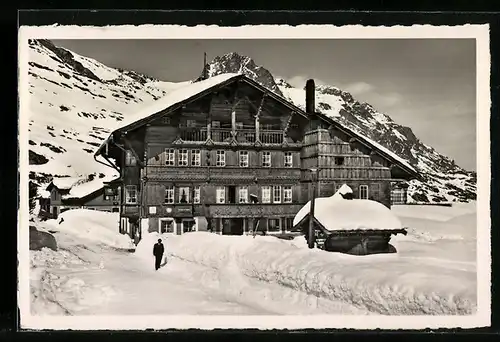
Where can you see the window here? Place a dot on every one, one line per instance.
(266, 159)
(169, 194)
(221, 158)
(130, 159)
(166, 120)
(167, 226)
(277, 194)
(220, 194)
(195, 158)
(243, 158)
(339, 161)
(191, 123)
(288, 159)
(184, 194)
(170, 157)
(273, 225)
(243, 195)
(216, 124)
(110, 194)
(239, 125)
(287, 194)
(130, 194)
(183, 158)
(188, 226)
(363, 191)
(266, 194)
(196, 194)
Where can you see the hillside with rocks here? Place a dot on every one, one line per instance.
(74, 103)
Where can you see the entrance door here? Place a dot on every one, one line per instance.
(233, 226)
(167, 226)
(54, 212)
(237, 226)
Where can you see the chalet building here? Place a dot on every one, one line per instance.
(229, 156)
(71, 193)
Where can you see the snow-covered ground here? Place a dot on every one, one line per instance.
(434, 271)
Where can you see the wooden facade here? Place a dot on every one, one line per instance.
(237, 158)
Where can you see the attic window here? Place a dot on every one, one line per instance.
(130, 159)
(339, 161)
(166, 120)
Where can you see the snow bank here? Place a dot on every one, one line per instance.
(436, 213)
(55, 293)
(93, 225)
(384, 284)
(336, 213)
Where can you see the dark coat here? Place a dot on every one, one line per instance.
(158, 249)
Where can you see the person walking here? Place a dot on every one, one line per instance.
(158, 251)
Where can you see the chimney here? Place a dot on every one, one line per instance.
(310, 97)
(205, 71)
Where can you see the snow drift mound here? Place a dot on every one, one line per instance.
(383, 284)
(97, 226)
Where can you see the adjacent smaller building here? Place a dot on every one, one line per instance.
(94, 193)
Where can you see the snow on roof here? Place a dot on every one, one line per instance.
(386, 151)
(43, 193)
(336, 213)
(64, 183)
(86, 187)
(175, 97)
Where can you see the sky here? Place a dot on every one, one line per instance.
(428, 85)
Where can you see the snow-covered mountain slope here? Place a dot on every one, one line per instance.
(443, 181)
(74, 102)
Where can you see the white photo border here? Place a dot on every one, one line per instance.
(478, 32)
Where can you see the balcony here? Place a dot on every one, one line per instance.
(221, 135)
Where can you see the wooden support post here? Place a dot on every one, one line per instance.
(257, 118)
(209, 123)
(311, 234)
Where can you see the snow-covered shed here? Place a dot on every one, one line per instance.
(346, 224)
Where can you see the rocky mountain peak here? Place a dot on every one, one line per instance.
(233, 62)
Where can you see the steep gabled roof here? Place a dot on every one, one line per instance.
(196, 90)
(78, 188)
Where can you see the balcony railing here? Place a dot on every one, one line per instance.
(224, 135)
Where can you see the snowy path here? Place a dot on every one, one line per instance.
(131, 287)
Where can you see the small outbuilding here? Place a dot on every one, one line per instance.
(348, 225)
